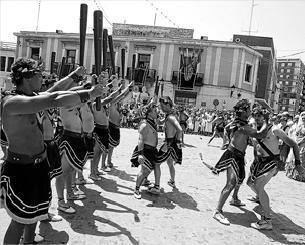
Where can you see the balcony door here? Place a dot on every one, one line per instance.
(143, 60)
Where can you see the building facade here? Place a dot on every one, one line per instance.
(267, 78)
(211, 74)
(7, 58)
(291, 78)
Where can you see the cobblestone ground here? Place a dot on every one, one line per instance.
(111, 215)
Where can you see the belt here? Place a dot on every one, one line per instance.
(101, 126)
(88, 135)
(73, 134)
(234, 150)
(274, 157)
(113, 125)
(13, 157)
(149, 147)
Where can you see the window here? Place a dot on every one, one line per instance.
(2, 63)
(280, 82)
(287, 76)
(283, 108)
(294, 83)
(287, 83)
(281, 76)
(71, 54)
(35, 53)
(9, 63)
(282, 70)
(291, 109)
(248, 73)
(293, 90)
(288, 70)
(282, 64)
(295, 77)
(289, 64)
(285, 89)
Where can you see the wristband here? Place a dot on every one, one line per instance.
(297, 162)
(84, 96)
(76, 78)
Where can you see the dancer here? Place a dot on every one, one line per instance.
(265, 165)
(114, 125)
(232, 159)
(101, 130)
(171, 150)
(25, 175)
(183, 116)
(146, 153)
(218, 128)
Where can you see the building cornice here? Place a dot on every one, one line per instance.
(195, 43)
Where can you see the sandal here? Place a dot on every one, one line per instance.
(237, 203)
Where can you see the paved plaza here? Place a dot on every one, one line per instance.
(111, 215)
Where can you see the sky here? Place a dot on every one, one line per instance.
(283, 20)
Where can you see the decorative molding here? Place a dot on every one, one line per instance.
(141, 47)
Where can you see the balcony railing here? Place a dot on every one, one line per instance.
(141, 75)
(196, 80)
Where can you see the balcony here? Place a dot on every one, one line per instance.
(141, 75)
(195, 80)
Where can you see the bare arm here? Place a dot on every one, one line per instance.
(142, 130)
(122, 95)
(110, 97)
(284, 137)
(32, 104)
(248, 130)
(62, 85)
(175, 123)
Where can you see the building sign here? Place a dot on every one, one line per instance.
(185, 97)
(151, 31)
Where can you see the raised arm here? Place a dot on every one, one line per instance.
(66, 82)
(284, 137)
(123, 94)
(32, 104)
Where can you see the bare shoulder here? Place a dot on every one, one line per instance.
(142, 127)
(172, 118)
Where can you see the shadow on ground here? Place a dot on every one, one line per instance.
(170, 200)
(282, 226)
(122, 174)
(52, 236)
(85, 221)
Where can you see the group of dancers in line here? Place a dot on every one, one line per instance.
(90, 119)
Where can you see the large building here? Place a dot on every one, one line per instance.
(266, 78)
(7, 58)
(291, 78)
(212, 74)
